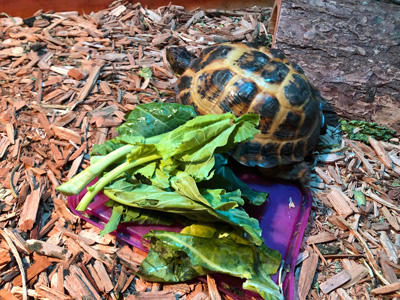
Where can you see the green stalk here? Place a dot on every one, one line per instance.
(109, 177)
(77, 183)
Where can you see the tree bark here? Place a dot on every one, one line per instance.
(350, 51)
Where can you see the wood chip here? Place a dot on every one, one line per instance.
(357, 273)
(389, 247)
(41, 263)
(67, 134)
(213, 289)
(339, 203)
(381, 152)
(322, 237)
(29, 211)
(90, 82)
(390, 288)
(48, 249)
(335, 281)
(307, 275)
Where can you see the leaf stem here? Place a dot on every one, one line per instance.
(77, 183)
(109, 177)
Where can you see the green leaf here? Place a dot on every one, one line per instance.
(107, 147)
(186, 186)
(210, 255)
(143, 216)
(266, 288)
(162, 259)
(221, 200)
(240, 220)
(215, 231)
(361, 131)
(359, 197)
(194, 135)
(145, 72)
(225, 178)
(114, 220)
(153, 119)
(150, 197)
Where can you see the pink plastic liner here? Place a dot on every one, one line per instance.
(282, 226)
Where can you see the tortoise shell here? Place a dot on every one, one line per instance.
(242, 78)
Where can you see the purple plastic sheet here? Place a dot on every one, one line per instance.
(283, 221)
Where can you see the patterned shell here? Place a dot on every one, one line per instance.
(241, 78)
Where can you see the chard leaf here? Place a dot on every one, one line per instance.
(152, 119)
(240, 220)
(211, 255)
(194, 134)
(150, 197)
(114, 220)
(246, 131)
(107, 147)
(225, 178)
(266, 288)
(162, 259)
(121, 185)
(221, 200)
(160, 180)
(143, 216)
(186, 186)
(141, 151)
(215, 231)
(147, 170)
(140, 216)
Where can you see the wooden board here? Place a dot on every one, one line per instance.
(349, 50)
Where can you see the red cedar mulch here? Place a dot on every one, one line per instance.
(67, 81)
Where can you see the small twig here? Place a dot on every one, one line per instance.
(13, 190)
(11, 18)
(320, 255)
(14, 250)
(378, 199)
(369, 254)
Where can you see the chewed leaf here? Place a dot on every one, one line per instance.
(180, 257)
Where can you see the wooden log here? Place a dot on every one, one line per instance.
(346, 49)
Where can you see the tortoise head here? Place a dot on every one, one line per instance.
(179, 58)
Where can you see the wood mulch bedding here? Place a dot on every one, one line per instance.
(68, 79)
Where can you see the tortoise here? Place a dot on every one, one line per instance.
(245, 77)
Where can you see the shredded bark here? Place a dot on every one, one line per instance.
(67, 81)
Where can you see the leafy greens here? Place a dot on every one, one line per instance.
(175, 257)
(168, 165)
(362, 130)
